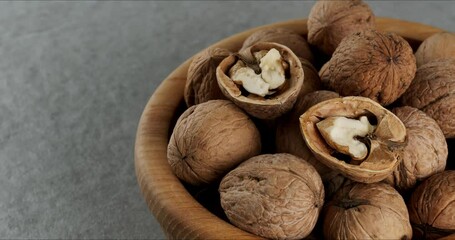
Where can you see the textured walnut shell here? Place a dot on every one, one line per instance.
(433, 91)
(425, 152)
(371, 64)
(386, 142)
(263, 108)
(432, 207)
(277, 196)
(209, 140)
(289, 138)
(312, 81)
(283, 36)
(330, 21)
(439, 45)
(367, 211)
(201, 85)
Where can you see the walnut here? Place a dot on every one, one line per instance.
(312, 82)
(264, 79)
(355, 136)
(201, 85)
(283, 36)
(367, 211)
(433, 91)
(209, 140)
(288, 136)
(425, 153)
(377, 65)
(276, 196)
(432, 207)
(438, 46)
(330, 21)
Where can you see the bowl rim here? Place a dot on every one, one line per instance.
(179, 214)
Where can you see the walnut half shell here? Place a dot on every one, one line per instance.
(268, 107)
(384, 142)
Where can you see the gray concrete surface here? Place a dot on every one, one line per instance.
(74, 78)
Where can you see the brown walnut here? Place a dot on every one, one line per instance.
(277, 196)
(433, 91)
(432, 207)
(209, 140)
(271, 106)
(379, 144)
(425, 152)
(201, 85)
(283, 36)
(437, 46)
(330, 21)
(371, 64)
(367, 211)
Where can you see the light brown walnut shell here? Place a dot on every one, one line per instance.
(277, 196)
(201, 85)
(432, 207)
(371, 64)
(384, 143)
(263, 108)
(425, 152)
(283, 36)
(289, 139)
(367, 211)
(433, 91)
(209, 140)
(330, 21)
(437, 46)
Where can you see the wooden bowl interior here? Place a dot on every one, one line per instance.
(177, 211)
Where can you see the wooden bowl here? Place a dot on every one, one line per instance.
(180, 215)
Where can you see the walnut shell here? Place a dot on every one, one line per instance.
(367, 211)
(433, 91)
(384, 143)
(312, 82)
(201, 85)
(432, 206)
(289, 138)
(371, 64)
(425, 153)
(283, 36)
(276, 196)
(209, 140)
(439, 45)
(263, 108)
(330, 21)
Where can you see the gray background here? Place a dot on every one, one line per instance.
(74, 78)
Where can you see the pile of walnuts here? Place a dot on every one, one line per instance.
(286, 145)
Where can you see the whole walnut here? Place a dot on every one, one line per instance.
(288, 136)
(277, 196)
(283, 36)
(438, 46)
(371, 64)
(209, 140)
(330, 21)
(425, 152)
(367, 211)
(201, 85)
(432, 207)
(433, 91)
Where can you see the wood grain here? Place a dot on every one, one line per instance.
(180, 215)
